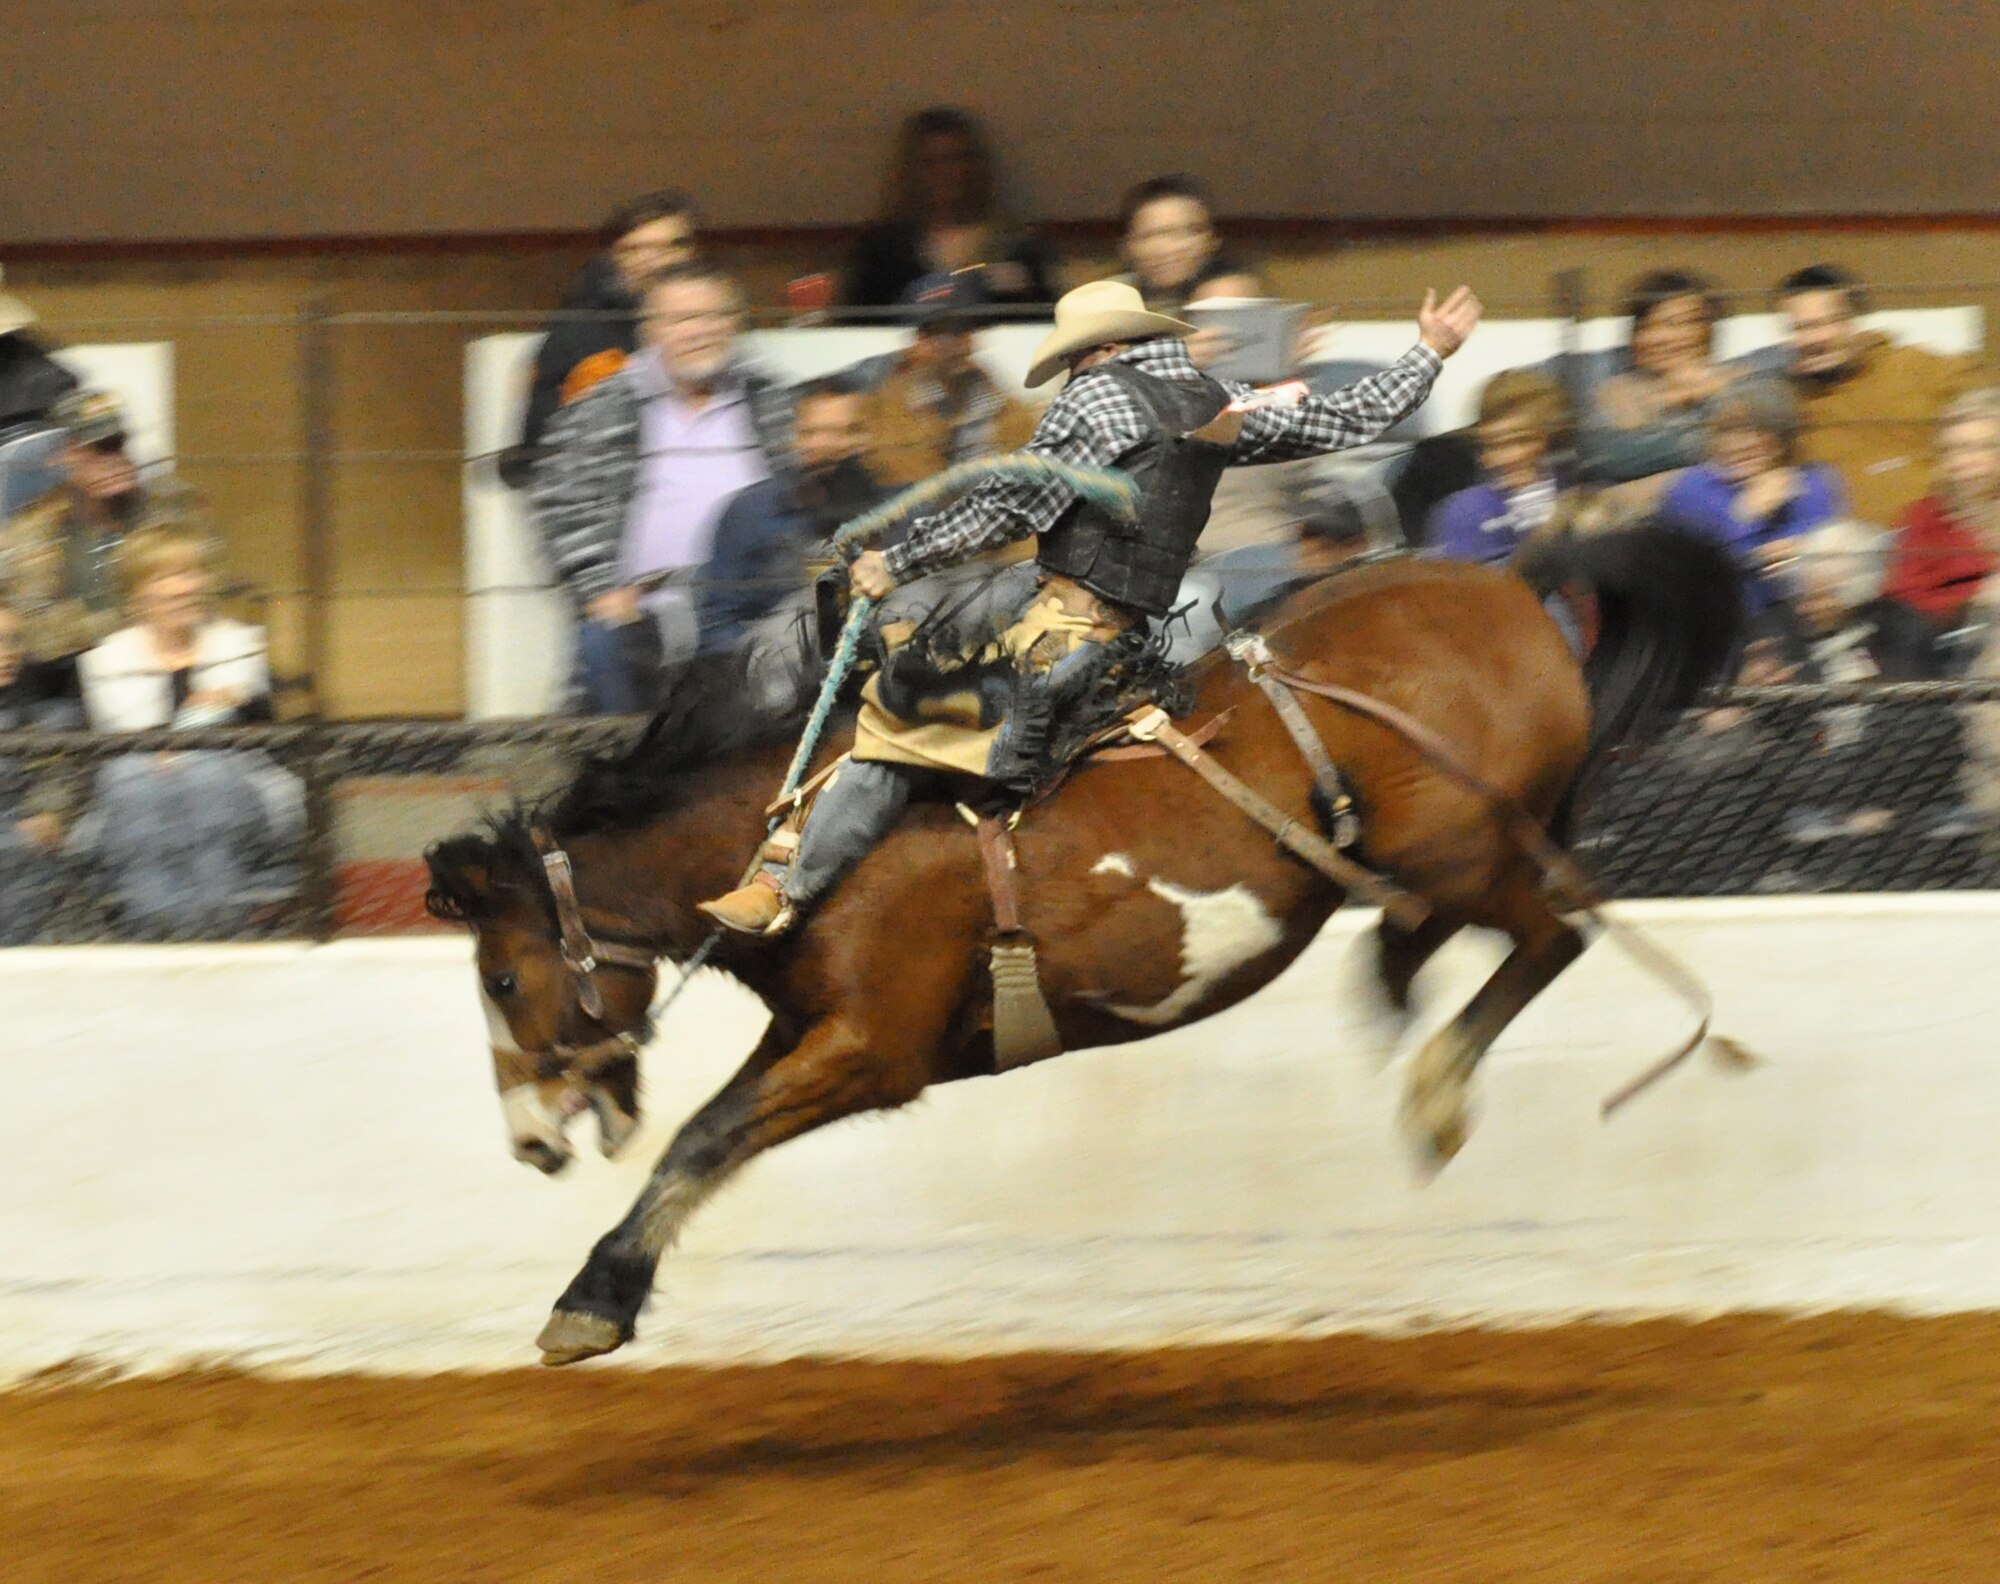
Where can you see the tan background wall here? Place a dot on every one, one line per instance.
(239, 118)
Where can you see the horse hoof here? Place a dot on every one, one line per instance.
(1435, 1116)
(571, 1336)
(1441, 1138)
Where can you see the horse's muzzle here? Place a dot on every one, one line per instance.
(544, 1157)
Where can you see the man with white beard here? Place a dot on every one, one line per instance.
(637, 472)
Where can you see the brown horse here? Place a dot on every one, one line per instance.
(1154, 903)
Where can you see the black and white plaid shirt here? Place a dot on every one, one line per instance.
(1096, 422)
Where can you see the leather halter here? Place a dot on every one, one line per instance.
(583, 955)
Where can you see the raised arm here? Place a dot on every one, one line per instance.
(1357, 413)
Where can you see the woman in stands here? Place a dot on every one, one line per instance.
(1522, 416)
(1652, 417)
(942, 216)
(1752, 495)
(192, 842)
(1947, 545)
(1168, 239)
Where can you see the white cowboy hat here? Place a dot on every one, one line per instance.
(1094, 316)
(14, 314)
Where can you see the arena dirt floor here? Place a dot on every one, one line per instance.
(1748, 1449)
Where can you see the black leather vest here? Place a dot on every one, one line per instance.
(1140, 564)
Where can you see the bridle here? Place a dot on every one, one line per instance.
(582, 956)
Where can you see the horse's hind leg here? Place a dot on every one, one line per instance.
(1434, 1105)
(786, 1088)
(1400, 954)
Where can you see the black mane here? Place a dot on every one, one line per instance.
(710, 716)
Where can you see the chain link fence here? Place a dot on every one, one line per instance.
(314, 831)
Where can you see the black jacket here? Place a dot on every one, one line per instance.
(31, 382)
(888, 259)
(569, 341)
(767, 539)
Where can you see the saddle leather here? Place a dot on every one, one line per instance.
(1024, 1030)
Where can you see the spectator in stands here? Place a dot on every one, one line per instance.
(1834, 628)
(191, 842)
(772, 538)
(937, 406)
(1867, 406)
(1833, 625)
(635, 474)
(1169, 242)
(1252, 506)
(58, 557)
(642, 237)
(1225, 281)
(1323, 531)
(1753, 495)
(941, 214)
(1652, 417)
(36, 801)
(1522, 415)
(1947, 545)
(31, 382)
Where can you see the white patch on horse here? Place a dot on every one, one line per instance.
(530, 1121)
(498, 1033)
(1115, 863)
(1220, 932)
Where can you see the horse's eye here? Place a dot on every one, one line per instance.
(500, 986)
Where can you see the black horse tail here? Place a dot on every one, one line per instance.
(1670, 620)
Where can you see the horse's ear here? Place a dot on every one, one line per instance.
(462, 883)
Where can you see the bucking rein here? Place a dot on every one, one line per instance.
(1023, 1027)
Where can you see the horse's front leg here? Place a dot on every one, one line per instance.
(786, 1088)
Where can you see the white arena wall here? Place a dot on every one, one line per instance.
(291, 1158)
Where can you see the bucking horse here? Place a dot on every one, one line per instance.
(1462, 723)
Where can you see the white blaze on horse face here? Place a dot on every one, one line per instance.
(1221, 931)
(531, 1124)
(534, 1129)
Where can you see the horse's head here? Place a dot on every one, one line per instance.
(567, 1013)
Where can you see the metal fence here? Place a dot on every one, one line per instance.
(1789, 789)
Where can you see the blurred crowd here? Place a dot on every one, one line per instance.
(686, 498)
(111, 624)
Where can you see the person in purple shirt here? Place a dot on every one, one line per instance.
(635, 473)
(1751, 496)
(1521, 415)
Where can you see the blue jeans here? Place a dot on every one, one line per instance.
(602, 680)
(183, 837)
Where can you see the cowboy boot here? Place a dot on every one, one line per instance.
(821, 840)
(758, 907)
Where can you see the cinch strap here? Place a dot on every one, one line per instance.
(1407, 911)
